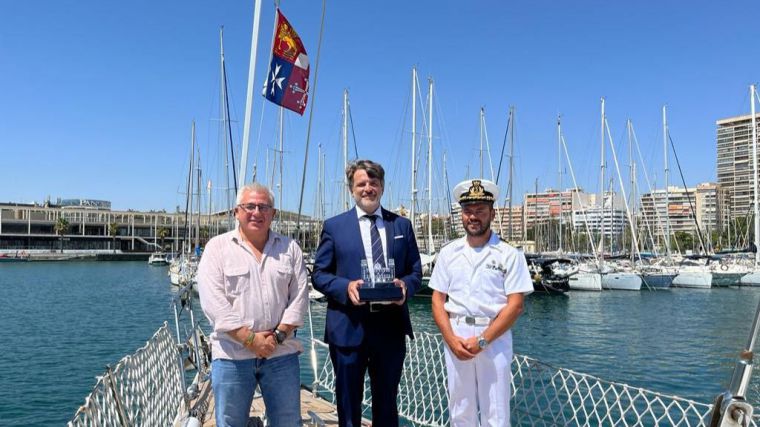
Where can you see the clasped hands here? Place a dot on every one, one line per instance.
(263, 343)
(463, 348)
(354, 285)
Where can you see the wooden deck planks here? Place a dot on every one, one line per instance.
(326, 411)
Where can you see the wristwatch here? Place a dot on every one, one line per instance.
(482, 342)
(279, 336)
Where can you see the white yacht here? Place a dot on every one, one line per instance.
(158, 258)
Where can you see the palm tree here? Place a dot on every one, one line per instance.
(61, 227)
(162, 233)
(113, 231)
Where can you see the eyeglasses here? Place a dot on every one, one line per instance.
(251, 207)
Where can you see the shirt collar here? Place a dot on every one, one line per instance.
(360, 212)
(493, 241)
(237, 238)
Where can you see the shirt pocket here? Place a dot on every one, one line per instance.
(236, 278)
(284, 274)
(492, 286)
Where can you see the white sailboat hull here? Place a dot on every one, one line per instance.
(585, 282)
(621, 281)
(751, 279)
(693, 279)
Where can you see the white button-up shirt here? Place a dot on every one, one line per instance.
(478, 281)
(365, 225)
(237, 290)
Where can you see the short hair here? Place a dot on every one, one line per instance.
(374, 170)
(254, 187)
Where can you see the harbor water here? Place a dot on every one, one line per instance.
(64, 322)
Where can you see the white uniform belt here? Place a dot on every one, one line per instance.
(470, 320)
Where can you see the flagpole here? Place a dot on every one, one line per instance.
(311, 117)
(249, 92)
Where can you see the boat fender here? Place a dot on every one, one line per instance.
(724, 267)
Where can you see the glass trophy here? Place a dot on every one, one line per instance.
(380, 288)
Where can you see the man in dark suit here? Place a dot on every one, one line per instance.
(366, 336)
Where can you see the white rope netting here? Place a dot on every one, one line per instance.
(543, 395)
(143, 389)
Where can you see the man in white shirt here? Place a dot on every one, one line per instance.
(253, 289)
(479, 283)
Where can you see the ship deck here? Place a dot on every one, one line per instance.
(314, 410)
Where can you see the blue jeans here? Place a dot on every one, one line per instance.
(234, 382)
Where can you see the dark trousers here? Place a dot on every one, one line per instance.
(383, 355)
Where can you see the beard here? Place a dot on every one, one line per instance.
(481, 230)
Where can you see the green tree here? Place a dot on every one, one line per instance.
(61, 227)
(113, 231)
(162, 234)
(685, 240)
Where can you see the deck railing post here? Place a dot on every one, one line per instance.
(123, 418)
(731, 407)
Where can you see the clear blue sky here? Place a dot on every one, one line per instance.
(98, 96)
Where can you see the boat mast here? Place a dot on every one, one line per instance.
(249, 92)
(414, 148)
(198, 203)
(431, 249)
(482, 113)
(634, 240)
(559, 176)
(226, 130)
(448, 201)
(511, 164)
(667, 176)
(345, 149)
(536, 228)
(208, 192)
(632, 171)
(601, 180)
(188, 200)
(320, 211)
(754, 171)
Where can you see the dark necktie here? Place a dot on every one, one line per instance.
(377, 245)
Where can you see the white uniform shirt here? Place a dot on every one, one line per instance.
(478, 281)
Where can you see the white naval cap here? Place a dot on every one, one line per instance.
(475, 191)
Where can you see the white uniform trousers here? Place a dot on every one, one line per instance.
(481, 385)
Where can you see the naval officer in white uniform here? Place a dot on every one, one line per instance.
(479, 283)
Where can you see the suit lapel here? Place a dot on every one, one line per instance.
(353, 221)
(389, 234)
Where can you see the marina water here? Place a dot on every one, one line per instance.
(64, 322)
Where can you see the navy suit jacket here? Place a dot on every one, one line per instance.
(338, 261)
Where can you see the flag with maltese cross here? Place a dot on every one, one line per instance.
(288, 76)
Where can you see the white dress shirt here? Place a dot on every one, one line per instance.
(364, 226)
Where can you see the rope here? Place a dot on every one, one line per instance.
(543, 395)
(147, 383)
(145, 389)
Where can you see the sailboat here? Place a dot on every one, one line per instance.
(182, 268)
(609, 276)
(660, 273)
(753, 278)
(582, 277)
(614, 276)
